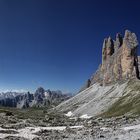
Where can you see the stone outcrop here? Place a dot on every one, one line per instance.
(119, 60)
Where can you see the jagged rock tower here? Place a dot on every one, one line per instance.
(118, 69)
(119, 60)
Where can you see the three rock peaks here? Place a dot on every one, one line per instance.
(119, 60)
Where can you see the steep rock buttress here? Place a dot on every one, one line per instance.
(119, 60)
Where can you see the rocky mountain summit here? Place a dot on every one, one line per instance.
(114, 87)
(119, 60)
(41, 98)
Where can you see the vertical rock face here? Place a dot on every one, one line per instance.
(119, 59)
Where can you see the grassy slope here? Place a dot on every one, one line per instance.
(33, 113)
(128, 103)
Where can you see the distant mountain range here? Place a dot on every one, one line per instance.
(41, 98)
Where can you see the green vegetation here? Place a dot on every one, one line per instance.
(128, 103)
(33, 113)
(20, 118)
(30, 113)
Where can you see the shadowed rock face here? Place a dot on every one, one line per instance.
(119, 60)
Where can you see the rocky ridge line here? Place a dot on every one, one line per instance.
(119, 60)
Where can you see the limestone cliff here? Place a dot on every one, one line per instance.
(119, 60)
(119, 72)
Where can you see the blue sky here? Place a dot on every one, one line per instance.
(57, 43)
